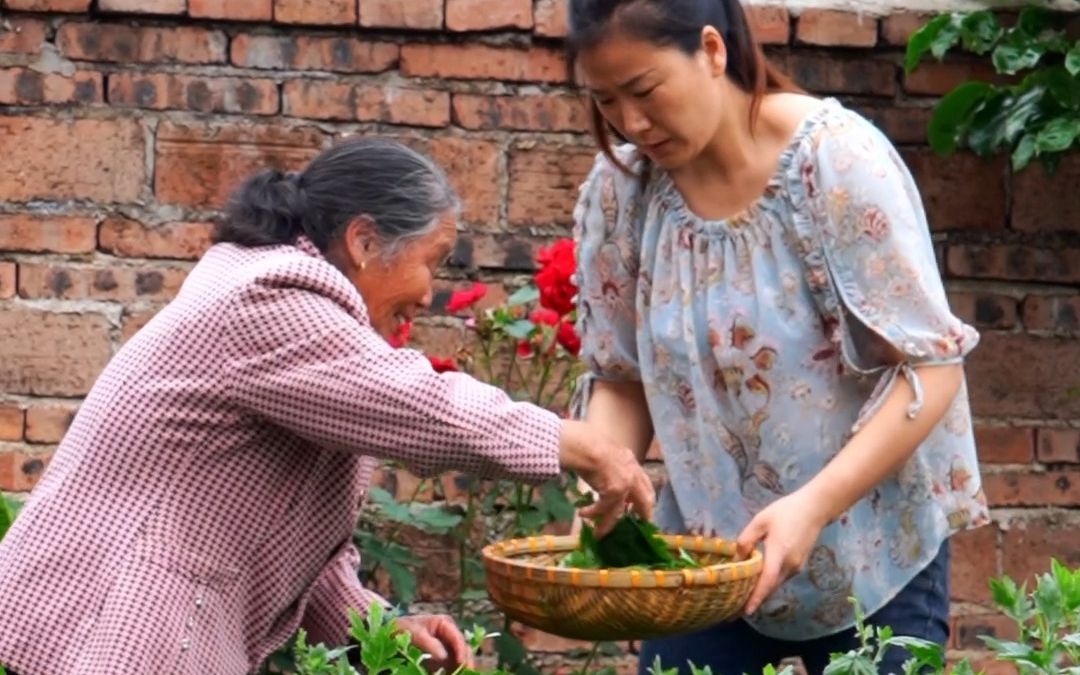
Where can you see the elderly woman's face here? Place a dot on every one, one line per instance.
(396, 288)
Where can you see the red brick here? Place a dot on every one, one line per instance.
(47, 423)
(1029, 546)
(903, 125)
(132, 321)
(200, 166)
(770, 25)
(238, 10)
(474, 170)
(177, 240)
(7, 280)
(101, 160)
(1005, 445)
(466, 15)
(100, 283)
(834, 74)
(49, 354)
(47, 234)
(24, 36)
(141, 44)
(531, 112)
(974, 563)
(1053, 313)
(318, 12)
(20, 469)
(23, 86)
(415, 14)
(1024, 376)
(143, 6)
(897, 28)
(961, 191)
(1043, 203)
(538, 641)
(47, 5)
(1015, 263)
(544, 182)
(165, 91)
(335, 54)
(1059, 446)
(481, 62)
(498, 251)
(984, 310)
(1016, 488)
(403, 105)
(11, 422)
(935, 78)
(324, 99)
(551, 18)
(319, 99)
(967, 630)
(440, 340)
(834, 28)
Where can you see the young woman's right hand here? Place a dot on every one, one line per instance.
(611, 470)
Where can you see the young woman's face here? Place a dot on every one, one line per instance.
(661, 99)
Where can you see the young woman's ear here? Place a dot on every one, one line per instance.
(714, 50)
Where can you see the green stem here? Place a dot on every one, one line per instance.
(466, 531)
(544, 377)
(592, 656)
(391, 538)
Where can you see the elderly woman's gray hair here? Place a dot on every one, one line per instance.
(399, 190)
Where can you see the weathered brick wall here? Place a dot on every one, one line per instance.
(125, 123)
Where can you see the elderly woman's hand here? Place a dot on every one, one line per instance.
(439, 637)
(611, 470)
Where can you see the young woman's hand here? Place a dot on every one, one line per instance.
(789, 527)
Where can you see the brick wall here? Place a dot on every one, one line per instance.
(124, 124)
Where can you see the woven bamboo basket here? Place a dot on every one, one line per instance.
(525, 581)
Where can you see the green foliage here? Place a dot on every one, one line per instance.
(1035, 114)
(633, 542)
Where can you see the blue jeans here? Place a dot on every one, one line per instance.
(920, 610)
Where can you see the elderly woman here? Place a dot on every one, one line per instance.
(201, 507)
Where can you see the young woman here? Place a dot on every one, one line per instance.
(759, 291)
(201, 507)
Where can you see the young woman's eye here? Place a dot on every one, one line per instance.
(645, 93)
(603, 100)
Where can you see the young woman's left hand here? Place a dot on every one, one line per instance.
(789, 527)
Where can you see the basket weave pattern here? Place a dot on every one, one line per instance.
(524, 580)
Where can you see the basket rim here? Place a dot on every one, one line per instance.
(501, 555)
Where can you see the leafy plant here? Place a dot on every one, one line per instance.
(1036, 114)
(526, 346)
(633, 542)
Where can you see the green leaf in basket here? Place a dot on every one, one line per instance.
(632, 543)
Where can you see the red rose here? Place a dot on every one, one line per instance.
(555, 280)
(544, 316)
(462, 300)
(568, 338)
(524, 349)
(400, 338)
(443, 365)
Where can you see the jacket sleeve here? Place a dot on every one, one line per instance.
(335, 592)
(303, 361)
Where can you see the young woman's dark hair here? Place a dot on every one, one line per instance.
(402, 193)
(676, 23)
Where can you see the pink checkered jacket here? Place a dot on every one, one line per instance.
(200, 508)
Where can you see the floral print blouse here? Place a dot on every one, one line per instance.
(766, 339)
